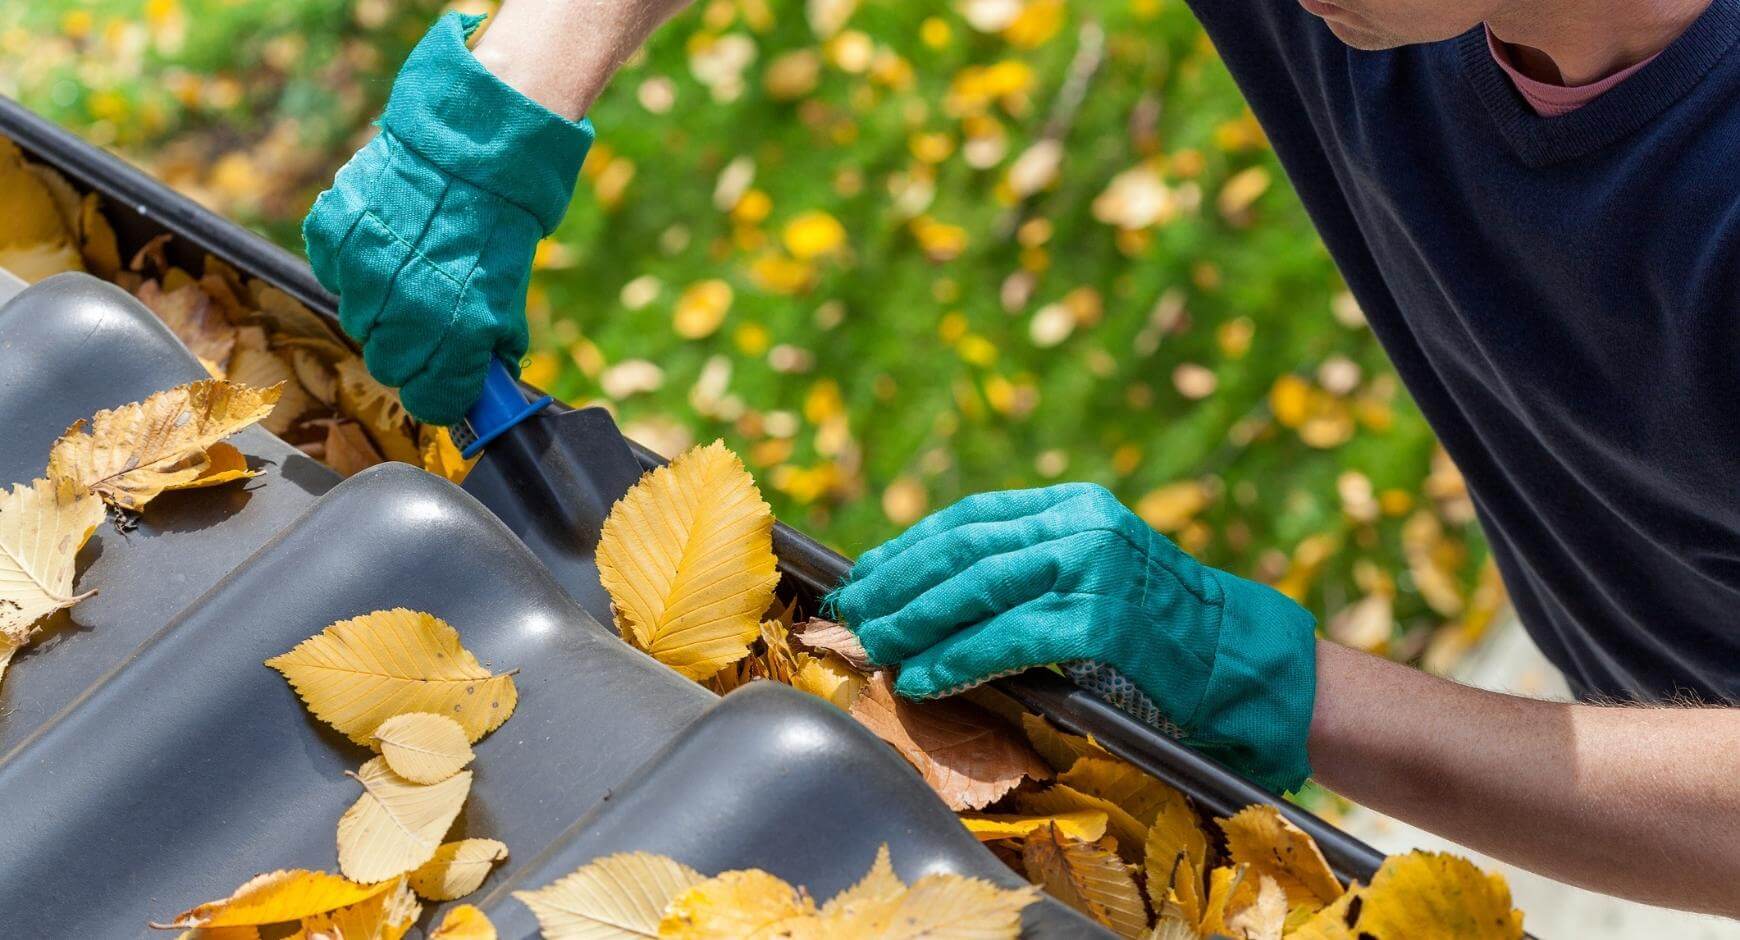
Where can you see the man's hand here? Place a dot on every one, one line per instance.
(1002, 582)
(427, 234)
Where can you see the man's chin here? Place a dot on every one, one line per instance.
(1362, 38)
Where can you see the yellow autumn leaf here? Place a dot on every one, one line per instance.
(279, 896)
(813, 234)
(132, 453)
(1061, 798)
(441, 456)
(1059, 748)
(357, 673)
(1267, 841)
(1140, 795)
(879, 885)
(1172, 925)
(1230, 889)
(378, 408)
(1087, 877)
(386, 916)
(423, 747)
(43, 524)
(1290, 400)
(35, 242)
(1241, 191)
(97, 242)
(1436, 896)
(1175, 856)
(880, 907)
(701, 308)
(1087, 825)
(396, 825)
(1331, 922)
(457, 868)
(1174, 882)
(687, 556)
(617, 896)
(464, 922)
(781, 661)
(224, 464)
(777, 273)
(748, 903)
(828, 677)
(314, 370)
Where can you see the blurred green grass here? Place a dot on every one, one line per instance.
(885, 376)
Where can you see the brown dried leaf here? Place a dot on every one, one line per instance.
(134, 452)
(189, 314)
(967, 756)
(826, 636)
(253, 363)
(348, 449)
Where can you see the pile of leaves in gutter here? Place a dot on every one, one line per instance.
(241, 329)
(687, 557)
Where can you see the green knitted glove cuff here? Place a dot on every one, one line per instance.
(457, 115)
(1256, 715)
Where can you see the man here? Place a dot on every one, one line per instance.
(1535, 202)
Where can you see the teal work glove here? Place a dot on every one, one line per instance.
(427, 234)
(1003, 582)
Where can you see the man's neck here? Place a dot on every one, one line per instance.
(1576, 42)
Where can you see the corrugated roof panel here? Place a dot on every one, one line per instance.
(166, 763)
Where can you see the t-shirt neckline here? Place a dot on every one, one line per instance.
(1550, 100)
(1623, 109)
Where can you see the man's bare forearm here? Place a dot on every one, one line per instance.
(561, 53)
(1638, 802)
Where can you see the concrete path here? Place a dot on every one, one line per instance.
(1508, 661)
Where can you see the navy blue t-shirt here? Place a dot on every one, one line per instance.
(1562, 298)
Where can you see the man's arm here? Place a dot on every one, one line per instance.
(1633, 801)
(561, 53)
(491, 138)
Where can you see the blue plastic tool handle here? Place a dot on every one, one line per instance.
(502, 406)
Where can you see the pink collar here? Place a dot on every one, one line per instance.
(1549, 100)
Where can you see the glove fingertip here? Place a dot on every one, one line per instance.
(915, 683)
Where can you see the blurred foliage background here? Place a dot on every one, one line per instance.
(893, 254)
